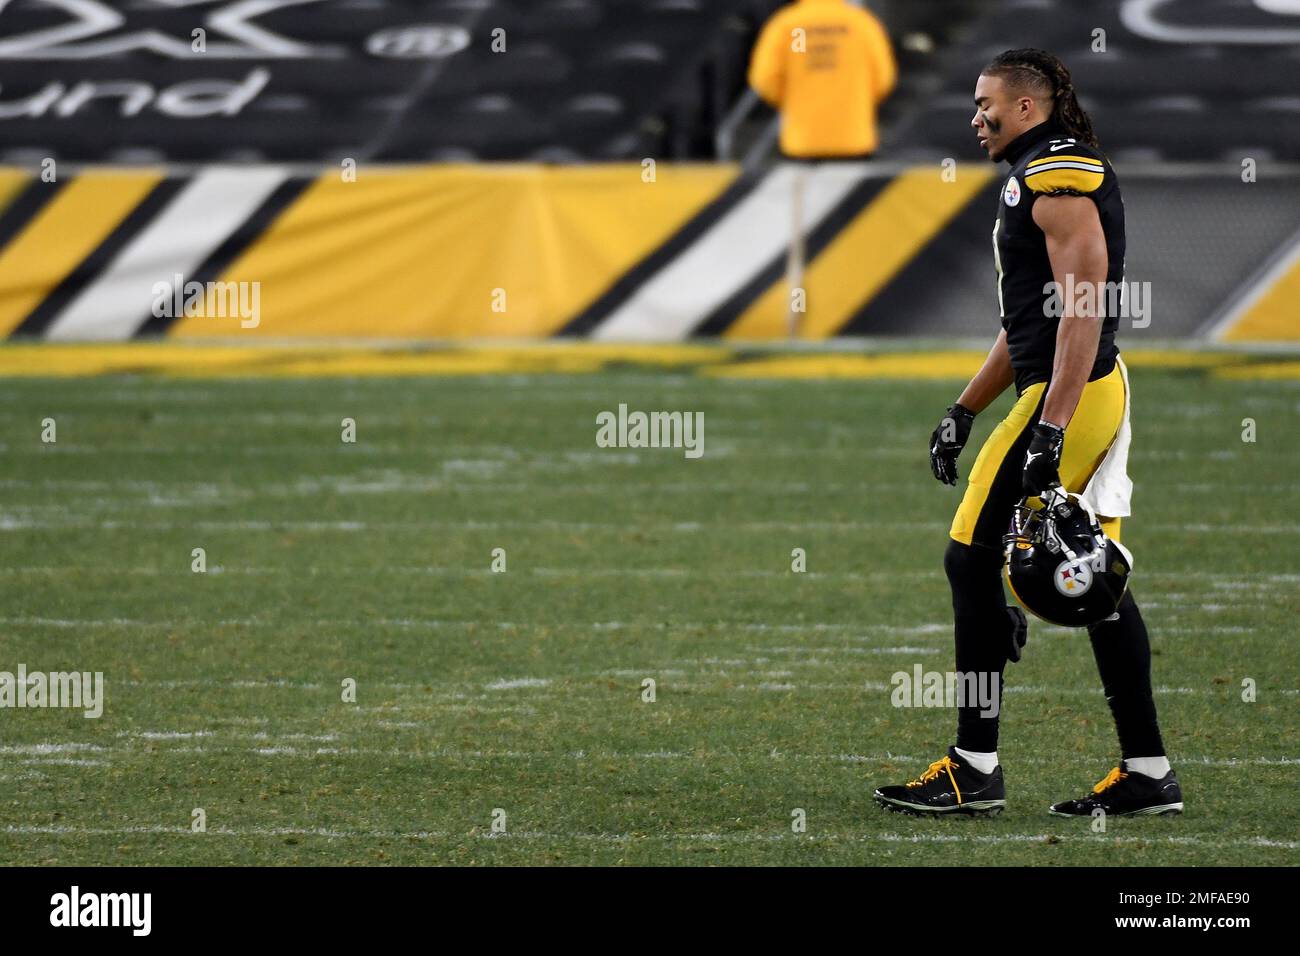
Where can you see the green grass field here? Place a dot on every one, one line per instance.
(522, 690)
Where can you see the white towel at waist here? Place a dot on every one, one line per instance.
(1110, 492)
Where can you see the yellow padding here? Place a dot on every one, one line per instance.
(11, 183)
(1156, 358)
(80, 217)
(1260, 371)
(168, 357)
(459, 251)
(893, 365)
(866, 255)
(1275, 316)
(211, 358)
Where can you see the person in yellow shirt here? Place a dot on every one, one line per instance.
(825, 65)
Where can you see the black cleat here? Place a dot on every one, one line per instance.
(1125, 794)
(947, 786)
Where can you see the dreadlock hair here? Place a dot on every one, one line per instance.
(1045, 76)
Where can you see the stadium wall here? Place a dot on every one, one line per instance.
(609, 252)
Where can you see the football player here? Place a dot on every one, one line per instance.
(1060, 220)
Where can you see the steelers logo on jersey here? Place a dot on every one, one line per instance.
(1011, 195)
(1073, 580)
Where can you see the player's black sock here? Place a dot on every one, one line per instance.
(983, 636)
(1123, 653)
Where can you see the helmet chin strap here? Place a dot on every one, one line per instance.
(1063, 544)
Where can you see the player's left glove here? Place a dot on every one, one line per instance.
(1043, 459)
(947, 441)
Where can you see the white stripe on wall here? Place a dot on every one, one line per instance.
(179, 240)
(681, 295)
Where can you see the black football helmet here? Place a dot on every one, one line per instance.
(1061, 566)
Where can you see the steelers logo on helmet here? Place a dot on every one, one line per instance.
(1061, 566)
(1072, 578)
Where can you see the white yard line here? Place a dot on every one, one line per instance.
(618, 838)
(14, 522)
(518, 682)
(398, 481)
(935, 628)
(1253, 583)
(443, 753)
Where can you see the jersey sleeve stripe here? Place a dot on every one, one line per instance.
(1096, 170)
(1074, 159)
(1067, 179)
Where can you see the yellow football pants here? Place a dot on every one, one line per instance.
(994, 487)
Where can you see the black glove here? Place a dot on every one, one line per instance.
(948, 440)
(1043, 460)
(1019, 631)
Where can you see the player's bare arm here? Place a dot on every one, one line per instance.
(1076, 246)
(949, 438)
(994, 377)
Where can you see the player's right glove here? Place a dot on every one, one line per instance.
(1043, 459)
(948, 440)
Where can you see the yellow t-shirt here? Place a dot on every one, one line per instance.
(826, 65)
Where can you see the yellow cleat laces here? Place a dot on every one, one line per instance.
(931, 772)
(1112, 778)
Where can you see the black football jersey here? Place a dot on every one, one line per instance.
(1047, 161)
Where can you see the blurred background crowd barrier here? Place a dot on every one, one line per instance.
(429, 169)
